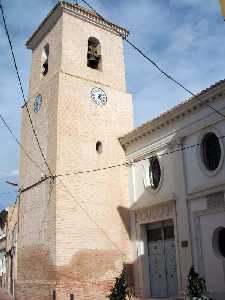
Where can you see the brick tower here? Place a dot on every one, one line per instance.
(73, 231)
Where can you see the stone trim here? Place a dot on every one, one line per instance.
(75, 10)
(156, 213)
(175, 114)
(205, 191)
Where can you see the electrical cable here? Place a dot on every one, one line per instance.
(135, 161)
(7, 193)
(21, 88)
(156, 65)
(18, 142)
(52, 183)
(113, 166)
(91, 218)
(14, 207)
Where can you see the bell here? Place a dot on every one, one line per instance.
(92, 58)
(92, 61)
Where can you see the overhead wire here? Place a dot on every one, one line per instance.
(21, 88)
(118, 165)
(83, 208)
(7, 193)
(52, 183)
(127, 163)
(19, 143)
(166, 74)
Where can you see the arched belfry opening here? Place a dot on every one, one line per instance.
(44, 60)
(94, 54)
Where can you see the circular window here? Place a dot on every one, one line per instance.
(211, 151)
(219, 242)
(99, 147)
(154, 172)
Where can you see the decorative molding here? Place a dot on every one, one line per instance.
(215, 200)
(75, 10)
(205, 190)
(177, 113)
(155, 213)
(152, 148)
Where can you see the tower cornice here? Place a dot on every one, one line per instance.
(77, 11)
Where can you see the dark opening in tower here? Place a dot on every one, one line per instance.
(94, 54)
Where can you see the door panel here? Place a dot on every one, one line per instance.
(157, 269)
(171, 267)
(162, 259)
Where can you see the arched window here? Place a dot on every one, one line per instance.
(94, 53)
(44, 60)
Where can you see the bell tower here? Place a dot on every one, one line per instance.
(74, 228)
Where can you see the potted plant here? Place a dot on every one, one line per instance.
(196, 289)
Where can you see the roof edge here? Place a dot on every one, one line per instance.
(175, 114)
(78, 11)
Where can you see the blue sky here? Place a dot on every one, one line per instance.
(186, 37)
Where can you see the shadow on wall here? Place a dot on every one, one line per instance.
(125, 217)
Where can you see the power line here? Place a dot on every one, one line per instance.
(18, 143)
(52, 183)
(128, 163)
(91, 218)
(11, 214)
(21, 88)
(173, 79)
(7, 193)
(166, 74)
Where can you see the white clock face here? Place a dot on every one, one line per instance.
(98, 96)
(37, 103)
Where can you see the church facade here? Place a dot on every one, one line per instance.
(108, 195)
(177, 202)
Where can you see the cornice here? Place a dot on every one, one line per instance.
(205, 190)
(175, 114)
(75, 10)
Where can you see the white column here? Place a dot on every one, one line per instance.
(183, 228)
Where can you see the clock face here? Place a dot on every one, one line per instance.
(98, 96)
(37, 103)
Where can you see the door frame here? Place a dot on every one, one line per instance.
(143, 270)
(161, 225)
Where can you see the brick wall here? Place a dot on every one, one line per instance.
(76, 240)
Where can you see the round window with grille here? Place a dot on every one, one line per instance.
(221, 242)
(218, 242)
(154, 172)
(211, 151)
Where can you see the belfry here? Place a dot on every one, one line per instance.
(73, 227)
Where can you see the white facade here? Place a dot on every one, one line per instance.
(181, 221)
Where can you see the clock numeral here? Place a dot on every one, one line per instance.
(98, 96)
(37, 103)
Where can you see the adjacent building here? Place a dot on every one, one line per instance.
(3, 229)
(177, 202)
(8, 247)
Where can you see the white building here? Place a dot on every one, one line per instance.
(177, 184)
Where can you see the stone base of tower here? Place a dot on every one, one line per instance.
(89, 290)
(34, 290)
(85, 289)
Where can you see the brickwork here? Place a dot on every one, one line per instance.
(74, 233)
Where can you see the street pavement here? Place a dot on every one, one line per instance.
(4, 295)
